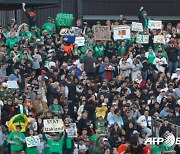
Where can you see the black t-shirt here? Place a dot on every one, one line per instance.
(89, 64)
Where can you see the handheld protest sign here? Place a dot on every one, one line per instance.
(102, 33)
(53, 125)
(32, 141)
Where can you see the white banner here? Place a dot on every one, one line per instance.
(142, 39)
(136, 26)
(122, 32)
(12, 84)
(32, 141)
(79, 41)
(71, 130)
(154, 24)
(159, 39)
(76, 30)
(53, 125)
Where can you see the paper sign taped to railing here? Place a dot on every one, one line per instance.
(32, 141)
(53, 125)
(154, 24)
(122, 32)
(136, 26)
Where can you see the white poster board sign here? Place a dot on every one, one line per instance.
(142, 39)
(71, 130)
(53, 125)
(79, 41)
(159, 39)
(136, 26)
(154, 24)
(76, 30)
(122, 32)
(12, 84)
(32, 141)
(102, 33)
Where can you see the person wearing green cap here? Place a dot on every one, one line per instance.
(143, 17)
(49, 26)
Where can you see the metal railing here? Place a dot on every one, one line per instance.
(157, 123)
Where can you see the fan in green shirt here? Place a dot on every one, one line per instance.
(16, 139)
(157, 149)
(55, 143)
(98, 49)
(31, 150)
(49, 26)
(10, 42)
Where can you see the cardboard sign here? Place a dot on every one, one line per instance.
(76, 30)
(12, 84)
(154, 24)
(71, 130)
(122, 32)
(142, 39)
(32, 141)
(159, 39)
(65, 20)
(53, 125)
(102, 33)
(79, 41)
(136, 27)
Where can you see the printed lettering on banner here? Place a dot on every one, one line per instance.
(136, 26)
(154, 24)
(32, 141)
(122, 32)
(102, 33)
(53, 125)
(71, 130)
(159, 39)
(142, 39)
(79, 41)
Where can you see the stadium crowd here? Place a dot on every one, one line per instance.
(110, 89)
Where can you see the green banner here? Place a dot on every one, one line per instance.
(64, 20)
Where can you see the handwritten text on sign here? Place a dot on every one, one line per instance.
(154, 24)
(32, 141)
(102, 33)
(53, 125)
(159, 39)
(142, 39)
(137, 27)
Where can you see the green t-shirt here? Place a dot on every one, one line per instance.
(19, 53)
(151, 57)
(49, 27)
(121, 50)
(98, 50)
(31, 150)
(157, 150)
(55, 146)
(11, 137)
(11, 41)
(94, 137)
(100, 125)
(27, 34)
